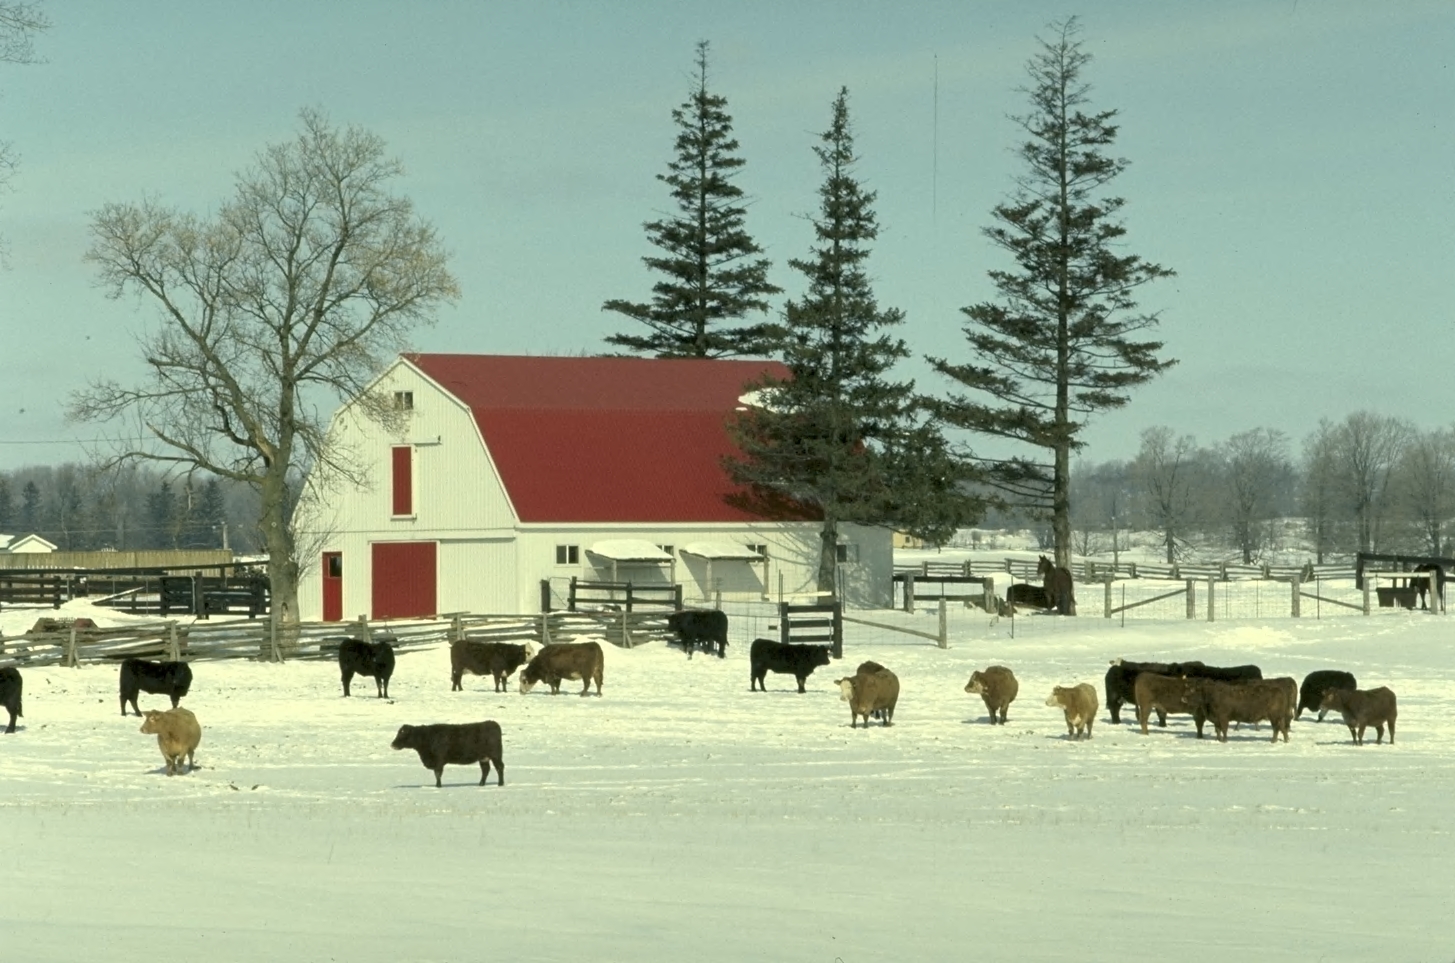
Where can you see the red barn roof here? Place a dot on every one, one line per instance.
(604, 439)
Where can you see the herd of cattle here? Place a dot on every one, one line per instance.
(1225, 696)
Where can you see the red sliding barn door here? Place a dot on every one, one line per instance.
(403, 579)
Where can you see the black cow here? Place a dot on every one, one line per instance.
(1316, 683)
(10, 686)
(1121, 680)
(798, 660)
(171, 679)
(700, 628)
(374, 659)
(453, 744)
(495, 659)
(1218, 673)
(1422, 585)
(1026, 595)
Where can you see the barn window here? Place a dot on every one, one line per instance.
(848, 552)
(666, 548)
(404, 400)
(568, 554)
(335, 564)
(760, 549)
(402, 500)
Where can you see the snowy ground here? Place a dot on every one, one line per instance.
(681, 817)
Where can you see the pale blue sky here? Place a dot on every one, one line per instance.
(1292, 161)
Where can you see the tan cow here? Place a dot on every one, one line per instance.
(1362, 708)
(870, 693)
(177, 735)
(1080, 704)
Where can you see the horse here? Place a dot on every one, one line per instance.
(1422, 585)
(1060, 594)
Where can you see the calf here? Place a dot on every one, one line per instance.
(1168, 693)
(177, 734)
(870, 693)
(700, 628)
(766, 656)
(1362, 708)
(172, 679)
(452, 744)
(496, 659)
(997, 686)
(366, 658)
(1252, 700)
(1316, 683)
(1079, 704)
(565, 660)
(10, 687)
(1121, 679)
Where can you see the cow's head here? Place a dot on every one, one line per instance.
(846, 689)
(1057, 697)
(403, 738)
(153, 721)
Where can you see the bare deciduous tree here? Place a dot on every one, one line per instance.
(289, 299)
(1255, 470)
(1426, 483)
(1163, 470)
(1366, 448)
(19, 23)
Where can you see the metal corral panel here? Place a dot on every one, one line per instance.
(403, 579)
(479, 576)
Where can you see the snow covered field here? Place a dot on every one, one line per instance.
(681, 817)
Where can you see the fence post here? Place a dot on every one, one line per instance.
(364, 631)
(1211, 606)
(1191, 598)
(1367, 582)
(991, 599)
(457, 630)
(838, 629)
(716, 599)
(71, 647)
(626, 632)
(1106, 605)
(944, 626)
(1297, 584)
(909, 592)
(545, 628)
(174, 651)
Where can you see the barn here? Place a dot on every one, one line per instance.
(503, 473)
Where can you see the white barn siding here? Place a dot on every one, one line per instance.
(479, 576)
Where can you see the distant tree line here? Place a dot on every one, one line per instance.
(1366, 483)
(134, 509)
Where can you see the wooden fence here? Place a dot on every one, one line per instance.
(1024, 570)
(267, 640)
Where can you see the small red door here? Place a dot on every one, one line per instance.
(333, 586)
(404, 579)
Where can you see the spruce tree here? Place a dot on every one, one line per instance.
(712, 278)
(1060, 344)
(29, 508)
(839, 438)
(7, 505)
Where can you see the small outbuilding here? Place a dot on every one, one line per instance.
(505, 472)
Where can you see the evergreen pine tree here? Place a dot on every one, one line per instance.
(7, 505)
(162, 517)
(839, 437)
(712, 277)
(1059, 345)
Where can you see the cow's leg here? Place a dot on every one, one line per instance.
(175, 699)
(484, 770)
(11, 728)
(348, 677)
(1391, 728)
(800, 683)
(439, 773)
(455, 682)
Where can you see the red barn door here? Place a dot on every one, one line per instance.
(333, 586)
(404, 579)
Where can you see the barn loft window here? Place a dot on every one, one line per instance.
(760, 549)
(402, 493)
(404, 400)
(848, 552)
(568, 554)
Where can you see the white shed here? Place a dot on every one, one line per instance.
(512, 471)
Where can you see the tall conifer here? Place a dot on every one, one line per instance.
(839, 436)
(711, 278)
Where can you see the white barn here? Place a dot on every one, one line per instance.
(512, 471)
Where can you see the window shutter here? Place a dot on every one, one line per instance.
(403, 481)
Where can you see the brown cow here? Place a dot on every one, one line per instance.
(1166, 693)
(495, 659)
(1250, 701)
(565, 660)
(997, 686)
(1362, 708)
(1079, 704)
(870, 693)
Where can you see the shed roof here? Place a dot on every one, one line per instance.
(605, 439)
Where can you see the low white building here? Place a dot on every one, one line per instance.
(512, 471)
(25, 545)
